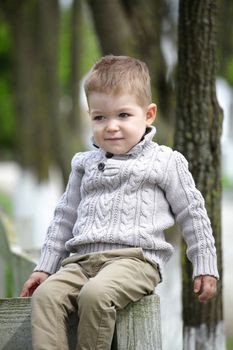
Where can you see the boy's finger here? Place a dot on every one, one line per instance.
(205, 295)
(208, 290)
(26, 288)
(24, 293)
(197, 284)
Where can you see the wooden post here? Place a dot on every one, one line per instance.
(137, 328)
(15, 327)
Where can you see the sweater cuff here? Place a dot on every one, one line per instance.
(205, 265)
(49, 263)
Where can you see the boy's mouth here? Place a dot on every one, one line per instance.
(114, 139)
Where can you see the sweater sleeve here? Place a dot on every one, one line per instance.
(60, 228)
(188, 206)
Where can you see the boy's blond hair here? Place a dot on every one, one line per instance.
(120, 74)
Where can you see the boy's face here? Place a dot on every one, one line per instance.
(118, 121)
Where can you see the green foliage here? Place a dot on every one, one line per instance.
(230, 343)
(8, 281)
(90, 46)
(229, 71)
(90, 52)
(227, 183)
(5, 204)
(5, 42)
(64, 52)
(7, 119)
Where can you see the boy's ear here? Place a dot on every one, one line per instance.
(151, 113)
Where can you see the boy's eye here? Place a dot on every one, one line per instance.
(98, 117)
(124, 115)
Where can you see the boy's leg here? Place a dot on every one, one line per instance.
(52, 301)
(119, 281)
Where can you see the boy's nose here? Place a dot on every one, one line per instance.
(112, 125)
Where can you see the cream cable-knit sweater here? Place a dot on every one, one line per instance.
(128, 201)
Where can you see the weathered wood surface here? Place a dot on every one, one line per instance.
(15, 328)
(137, 328)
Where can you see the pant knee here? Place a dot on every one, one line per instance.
(40, 293)
(40, 297)
(46, 295)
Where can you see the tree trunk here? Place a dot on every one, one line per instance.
(112, 27)
(22, 19)
(48, 83)
(147, 34)
(198, 131)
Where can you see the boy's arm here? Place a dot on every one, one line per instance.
(61, 227)
(188, 206)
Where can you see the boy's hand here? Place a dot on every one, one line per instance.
(205, 286)
(33, 282)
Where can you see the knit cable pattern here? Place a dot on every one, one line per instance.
(128, 202)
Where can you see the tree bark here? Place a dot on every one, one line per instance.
(198, 131)
(148, 35)
(48, 83)
(112, 27)
(21, 23)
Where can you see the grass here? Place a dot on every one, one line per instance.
(227, 182)
(229, 344)
(5, 204)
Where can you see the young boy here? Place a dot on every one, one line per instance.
(118, 201)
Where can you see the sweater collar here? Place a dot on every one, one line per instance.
(143, 143)
(145, 140)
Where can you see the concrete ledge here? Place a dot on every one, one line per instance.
(137, 328)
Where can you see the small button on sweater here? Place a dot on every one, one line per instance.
(128, 201)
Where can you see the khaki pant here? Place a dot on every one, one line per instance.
(95, 285)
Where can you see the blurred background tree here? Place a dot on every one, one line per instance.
(198, 136)
(43, 64)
